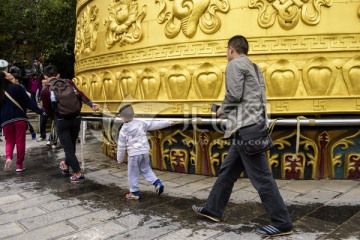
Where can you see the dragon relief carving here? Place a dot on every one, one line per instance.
(86, 34)
(124, 22)
(288, 12)
(187, 15)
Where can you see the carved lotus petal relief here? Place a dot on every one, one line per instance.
(177, 82)
(77, 82)
(96, 88)
(207, 81)
(319, 77)
(111, 88)
(83, 85)
(319, 80)
(128, 83)
(282, 79)
(351, 73)
(149, 83)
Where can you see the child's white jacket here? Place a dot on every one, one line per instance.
(132, 137)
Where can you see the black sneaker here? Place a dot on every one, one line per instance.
(205, 213)
(271, 231)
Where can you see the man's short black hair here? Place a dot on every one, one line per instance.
(50, 71)
(239, 43)
(126, 111)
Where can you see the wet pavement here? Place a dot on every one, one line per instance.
(42, 204)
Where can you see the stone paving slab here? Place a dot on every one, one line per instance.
(21, 214)
(41, 204)
(100, 231)
(9, 229)
(351, 197)
(54, 217)
(48, 232)
(10, 199)
(26, 203)
(189, 234)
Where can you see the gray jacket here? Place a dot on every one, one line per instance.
(242, 103)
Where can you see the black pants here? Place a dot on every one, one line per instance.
(68, 131)
(257, 168)
(43, 121)
(31, 128)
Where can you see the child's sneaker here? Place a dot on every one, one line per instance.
(159, 187)
(133, 195)
(33, 135)
(76, 179)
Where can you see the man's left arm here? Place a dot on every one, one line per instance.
(234, 87)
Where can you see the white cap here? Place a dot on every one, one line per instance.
(3, 64)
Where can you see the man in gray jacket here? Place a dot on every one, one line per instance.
(243, 105)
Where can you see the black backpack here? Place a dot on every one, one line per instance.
(65, 98)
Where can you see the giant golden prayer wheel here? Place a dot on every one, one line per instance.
(167, 57)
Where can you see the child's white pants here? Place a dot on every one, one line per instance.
(139, 163)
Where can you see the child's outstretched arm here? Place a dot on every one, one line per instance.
(121, 148)
(154, 125)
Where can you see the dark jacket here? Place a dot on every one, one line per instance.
(46, 102)
(10, 112)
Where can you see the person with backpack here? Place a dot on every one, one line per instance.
(62, 101)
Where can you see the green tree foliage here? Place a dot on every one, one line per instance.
(45, 27)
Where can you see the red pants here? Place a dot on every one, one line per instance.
(15, 134)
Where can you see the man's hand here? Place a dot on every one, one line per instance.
(219, 112)
(95, 106)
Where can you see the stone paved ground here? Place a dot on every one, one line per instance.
(41, 204)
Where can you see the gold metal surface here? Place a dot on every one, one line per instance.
(167, 57)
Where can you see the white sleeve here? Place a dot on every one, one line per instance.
(121, 148)
(154, 125)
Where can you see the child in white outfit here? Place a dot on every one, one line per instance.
(132, 137)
